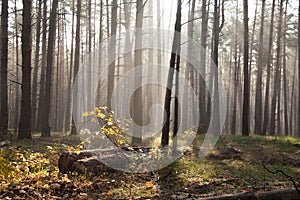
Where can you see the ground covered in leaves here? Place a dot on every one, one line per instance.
(28, 170)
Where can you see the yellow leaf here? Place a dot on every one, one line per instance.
(149, 184)
(109, 193)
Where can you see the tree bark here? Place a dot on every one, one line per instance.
(269, 59)
(235, 79)
(245, 128)
(36, 67)
(43, 70)
(277, 71)
(69, 98)
(17, 103)
(25, 118)
(285, 82)
(3, 65)
(258, 96)
(137, 96)
(203, 122)
(167, 105)
(51, 43)
(76, 65)
(299, 70)
(112, 49)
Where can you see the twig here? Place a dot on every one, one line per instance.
(284, 174)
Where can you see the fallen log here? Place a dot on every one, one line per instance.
(89, 160)
(278, 195)
(85, 161)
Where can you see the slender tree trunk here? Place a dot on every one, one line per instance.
(51, 43)
(76, 65)
(3, 65)
(69, 99)
(43, 70)
(112, 52)
(269, 59)
(277, 73)
(251, 89)
(25, 119)
(89, 73)
(278, 120)
(137, 96)
(167, 105)
(258, 96)
(233, 123)
(285, 83)
(36, 67)
(203, 122)
(293, 96)
(245, 128)
(217, 27)
(17, 100)
(299, 70)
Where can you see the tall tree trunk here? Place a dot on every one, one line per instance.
(3, 65)
(189, 72)
(137, 96)
(278, 120)
(203, 122)
(285, 83)
(293, 99)
(251, 89)
(217, 27)
(36, 67)
(112, 49)
(43, 70)
(51, 43)
(245, 128)
(76, 65)
(277, 71)
(89, 73)
(258, 96)
(69, 99)
(25, 119)
(17, 103)
(299, 70)
(233, 122)
(269, 59)
(167, 105)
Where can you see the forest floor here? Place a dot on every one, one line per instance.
(29, 171)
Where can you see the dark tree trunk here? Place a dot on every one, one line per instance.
(25, 119)
(258, 96)
(277, 72)
(76, 65)
(3, 65)
(203, 122)
(167, 105)
(269, 59)
(235, 78)
(51, 43)
(245, 128)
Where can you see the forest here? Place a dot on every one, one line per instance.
(150, 99)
